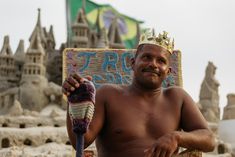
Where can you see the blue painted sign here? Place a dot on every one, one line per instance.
(108, 65)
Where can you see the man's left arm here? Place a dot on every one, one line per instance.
(195, 134)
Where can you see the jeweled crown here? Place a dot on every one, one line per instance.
(162, 40)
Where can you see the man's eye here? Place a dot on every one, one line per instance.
(162, 61)
(146, 57)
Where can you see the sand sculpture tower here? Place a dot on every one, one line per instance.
(114, 36)
(19, 58)
(229, 110)
(102, 39)
(209, 95)
(7, 66)
(40, 31)
(34, 75)
(50, 39)
(35, 57)
(101, 35)
(80, 30)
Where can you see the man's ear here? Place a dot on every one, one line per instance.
(132, 63)
(169, 70)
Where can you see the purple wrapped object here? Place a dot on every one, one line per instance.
(85, 92)
(81, 110)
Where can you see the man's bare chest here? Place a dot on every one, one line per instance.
(131, 118)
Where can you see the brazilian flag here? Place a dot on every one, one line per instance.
(128, 27)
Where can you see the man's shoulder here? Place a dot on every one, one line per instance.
(175, 91)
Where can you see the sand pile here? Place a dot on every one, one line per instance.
(46, 150)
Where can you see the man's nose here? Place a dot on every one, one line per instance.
(153, 63)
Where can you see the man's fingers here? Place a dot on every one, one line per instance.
(73, 82)
(163, 154)
(77, 77)
(149, 152)
(65, 92)
(89, 77)
(80, 79)
(169, 154)
(67, 87)
(157, 152)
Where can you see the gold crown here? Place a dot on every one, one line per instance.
(149, 37)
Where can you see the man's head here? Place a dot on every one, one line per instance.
(151, 64)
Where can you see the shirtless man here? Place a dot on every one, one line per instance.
(143, 119)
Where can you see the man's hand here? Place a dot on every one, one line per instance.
(72, 82)
(165, 146)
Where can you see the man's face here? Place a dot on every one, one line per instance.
(151, 66)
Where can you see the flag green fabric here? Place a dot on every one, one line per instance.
(128, 27)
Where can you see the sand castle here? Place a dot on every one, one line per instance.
(32, 111)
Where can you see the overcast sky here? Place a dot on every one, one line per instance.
(204, 30)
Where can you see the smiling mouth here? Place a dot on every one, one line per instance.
(151, 71)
